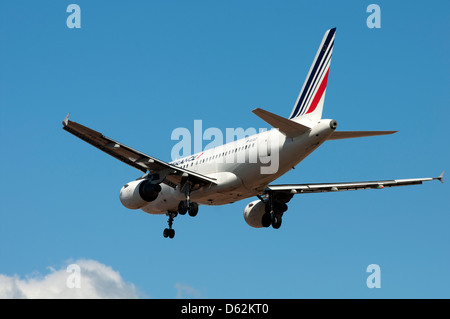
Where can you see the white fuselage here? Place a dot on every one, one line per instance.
(242, 168)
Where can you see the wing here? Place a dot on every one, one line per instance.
(136, 159)
(335, 187)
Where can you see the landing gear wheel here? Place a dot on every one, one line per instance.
(193, 209)
(276, 221)
(266, 220)
(182, 207)
(169, 232)
(268, 208)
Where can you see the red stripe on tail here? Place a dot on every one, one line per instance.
(319, 93)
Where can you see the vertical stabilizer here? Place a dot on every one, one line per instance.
(310, 101)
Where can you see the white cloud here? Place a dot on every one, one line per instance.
(185, 291)
(96, 280)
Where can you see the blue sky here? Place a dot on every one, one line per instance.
(137, 70)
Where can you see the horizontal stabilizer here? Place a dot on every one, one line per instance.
(336, 135)
(441, 177)
(284, 125)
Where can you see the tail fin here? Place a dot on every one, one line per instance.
(310, 100)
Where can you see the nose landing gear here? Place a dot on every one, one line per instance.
(183, 208)
(170, 232)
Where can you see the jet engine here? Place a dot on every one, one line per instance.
(253, 213)
(137, 194)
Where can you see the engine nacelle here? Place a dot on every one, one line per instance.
(137, 194)
(254, 212)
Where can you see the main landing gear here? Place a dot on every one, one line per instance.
(273, 218)
(191, 208)
(183, 208)
(274, 213)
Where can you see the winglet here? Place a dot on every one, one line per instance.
(441, 177)
(66, 120)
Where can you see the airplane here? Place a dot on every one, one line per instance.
(231, 172)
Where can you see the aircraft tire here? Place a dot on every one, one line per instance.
(182, 208)
(193, 209)
(266, 220)
(276, 221)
